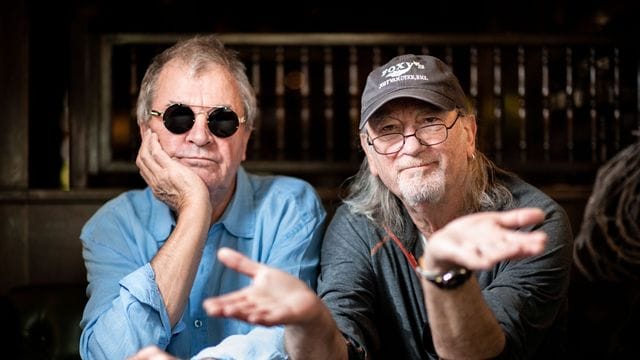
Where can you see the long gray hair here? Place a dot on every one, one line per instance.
(368, 195)
(198, 53)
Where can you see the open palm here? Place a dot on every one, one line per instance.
(273, 298)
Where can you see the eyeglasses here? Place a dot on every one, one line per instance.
(179, 118)
(427, 135)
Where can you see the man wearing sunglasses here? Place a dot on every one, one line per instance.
(151, 254)
(436, 252)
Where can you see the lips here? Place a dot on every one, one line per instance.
(196, 161)
(415, 166)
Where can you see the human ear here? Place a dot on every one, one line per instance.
(471, 129)
(368, 152)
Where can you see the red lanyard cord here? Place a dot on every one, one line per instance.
(407, 254)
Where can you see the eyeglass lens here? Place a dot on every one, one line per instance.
(223, 122)
(428, 135)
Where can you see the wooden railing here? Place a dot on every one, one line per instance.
(553, 107)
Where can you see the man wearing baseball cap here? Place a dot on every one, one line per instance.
(435, 253)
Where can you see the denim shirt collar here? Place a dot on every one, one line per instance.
(239, 217)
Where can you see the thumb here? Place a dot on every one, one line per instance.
(238, 262)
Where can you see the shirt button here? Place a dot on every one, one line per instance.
(197, 323)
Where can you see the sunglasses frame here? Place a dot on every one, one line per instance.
(211, 118)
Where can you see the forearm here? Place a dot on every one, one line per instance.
(316, 339)
(462, 325)
(176, 263)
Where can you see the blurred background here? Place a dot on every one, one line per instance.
(555, 84)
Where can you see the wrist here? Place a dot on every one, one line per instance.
(445, 275)
(449, 279)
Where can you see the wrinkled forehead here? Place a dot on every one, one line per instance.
(403, 104)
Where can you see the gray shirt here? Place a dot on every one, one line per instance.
(376, 297)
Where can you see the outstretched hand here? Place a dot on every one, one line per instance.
(172, 182)
(480, 240)
(273, 298)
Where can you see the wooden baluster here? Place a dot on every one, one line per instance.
(448, 57)
(569, 102)
(354, 97)
(328, 99)
(473, 76)
(593, 112)
(522, 111)
(473, 91)
(255, 81)
(616, 100)
(546, 111)
(134, 89)
(376, 57)
(606, 64)
(280, 108)
(497, 103)
(305, 113)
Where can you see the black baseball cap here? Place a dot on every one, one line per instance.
(421, 77)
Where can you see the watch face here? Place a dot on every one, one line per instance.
(454, 278)
(448, 280)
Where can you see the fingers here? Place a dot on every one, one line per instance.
(236, 261)
(520, 217)
(151, 154)
(510, 245)
(224, 305)
(146, 161)
(480, 240)
(528, 243)
(235, 304)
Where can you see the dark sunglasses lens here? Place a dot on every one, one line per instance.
(178, 119)
(223, 122)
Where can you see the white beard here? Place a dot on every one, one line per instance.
(417, 188)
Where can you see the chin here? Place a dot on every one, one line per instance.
(417, 191)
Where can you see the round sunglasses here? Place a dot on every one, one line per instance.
(179, 118)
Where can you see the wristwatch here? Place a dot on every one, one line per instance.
(450, 279)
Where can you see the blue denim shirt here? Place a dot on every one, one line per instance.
(273, 220)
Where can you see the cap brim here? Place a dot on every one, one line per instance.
(425, 95)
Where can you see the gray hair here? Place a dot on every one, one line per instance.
(369, 196)
(198, 53)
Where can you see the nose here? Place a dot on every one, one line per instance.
(199, 134)
(412, 144)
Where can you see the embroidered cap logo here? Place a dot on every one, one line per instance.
(400, 68)
(397, 73)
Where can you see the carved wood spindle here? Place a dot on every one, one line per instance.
(569, 102)
(546, 111)
(354, 101)
(255, 81)
(328, 100)
(497, 103)
(305, 113)
(522, 111)
(280, 108)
